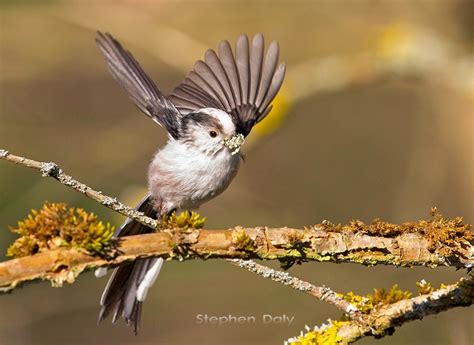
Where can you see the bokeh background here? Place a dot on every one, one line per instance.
(375, 120)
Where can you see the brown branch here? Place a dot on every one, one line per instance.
(65, 264)
(434, 242)
(382, 321)
(261, 243)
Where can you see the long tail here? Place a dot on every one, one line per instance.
(127, 287)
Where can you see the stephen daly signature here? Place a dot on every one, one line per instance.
(220, 320)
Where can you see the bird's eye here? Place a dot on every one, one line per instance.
(213, 134)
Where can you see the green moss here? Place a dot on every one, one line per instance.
(23, 246)
(242, 240)
(444, 235)
(296, 249)
(294, 239)
(179, 251)
(55, 225)
(184, 220)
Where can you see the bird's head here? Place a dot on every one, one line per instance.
(211, 130)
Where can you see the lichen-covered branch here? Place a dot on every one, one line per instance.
(382, 320)
(433, 242)
(322, 293)
(284, 244)
(50, 169)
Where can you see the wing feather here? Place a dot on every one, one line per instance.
(212, 60)
(227, 58)
(273, 88)
(243, 85)
(268, 70)
(243, 65)
(187, 100)
(141, 89)
(204, 85)
(206, 73)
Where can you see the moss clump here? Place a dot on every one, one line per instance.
(443, 235)
(295, 249)
(378, 298)
(395, 294)
(424, 287)
(241, 240)
(294, 239)
(184, 220)
(55, 225)
(325, 335)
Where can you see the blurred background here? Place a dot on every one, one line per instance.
(375, 119)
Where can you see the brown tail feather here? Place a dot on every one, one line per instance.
(119, 296)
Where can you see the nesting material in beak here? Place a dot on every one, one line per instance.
(234, 143)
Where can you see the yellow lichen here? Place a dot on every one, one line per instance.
(395, 294)
(183, 220)
(326, 335)
(55, 225)
(378, 298)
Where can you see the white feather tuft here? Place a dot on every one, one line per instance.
(149, 279)
(100, 272)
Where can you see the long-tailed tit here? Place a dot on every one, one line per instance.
(207, 118)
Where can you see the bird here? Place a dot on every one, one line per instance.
(207, 118)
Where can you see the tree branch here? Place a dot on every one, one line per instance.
(433, 242)
(65, 264)
(260, 243)
(382, 321)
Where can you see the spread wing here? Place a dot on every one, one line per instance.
(141, 89)
(244, 85)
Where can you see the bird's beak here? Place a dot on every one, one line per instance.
(234, 143)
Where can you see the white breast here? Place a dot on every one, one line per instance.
(181, 177)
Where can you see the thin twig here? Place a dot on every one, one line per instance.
(322, 293)
(51, 169)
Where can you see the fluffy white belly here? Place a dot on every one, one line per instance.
(180, 177)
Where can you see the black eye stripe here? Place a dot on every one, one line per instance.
(204, 120)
